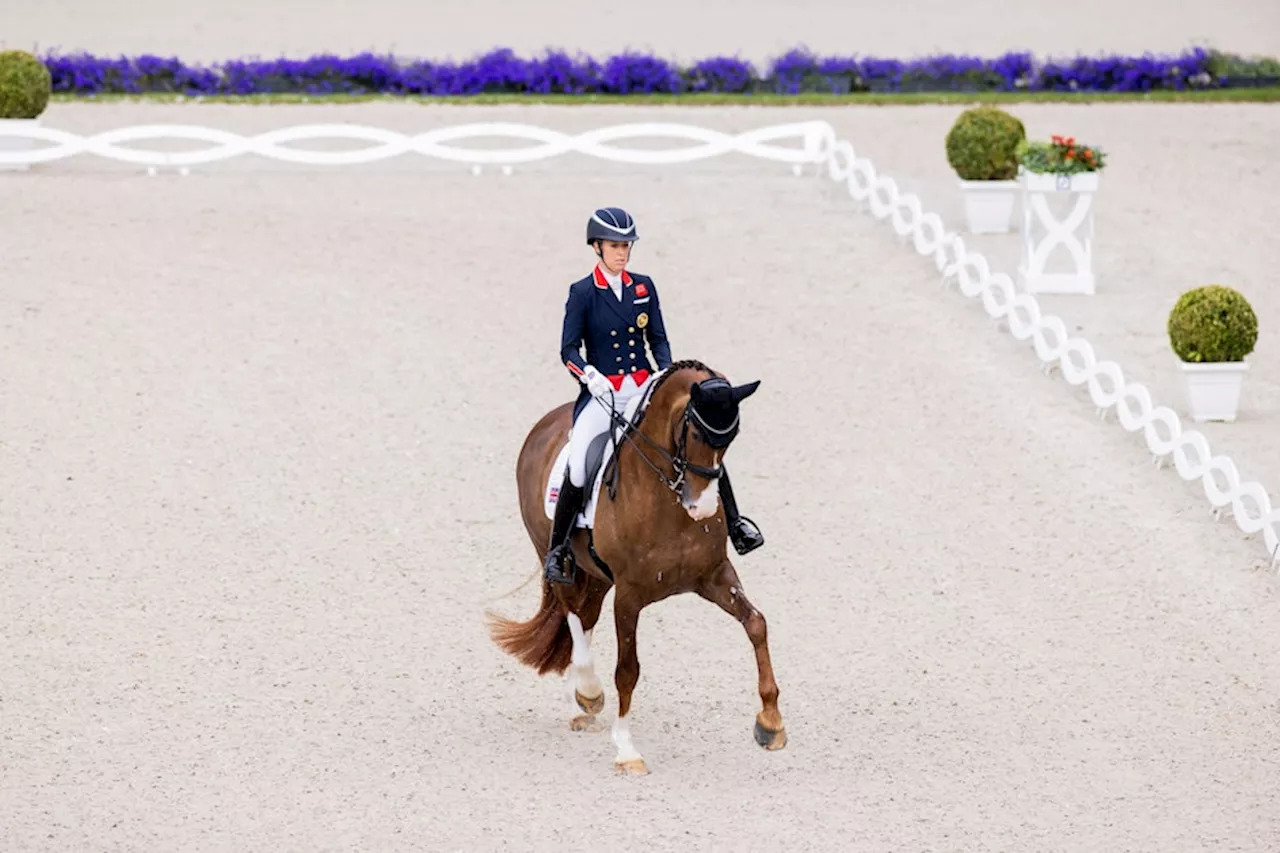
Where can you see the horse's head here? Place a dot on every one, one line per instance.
(709, 425)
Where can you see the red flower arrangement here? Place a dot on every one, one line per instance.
(1061, 155)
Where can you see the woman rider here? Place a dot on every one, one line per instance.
(614, 313)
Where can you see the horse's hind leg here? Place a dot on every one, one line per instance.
(725, 590)
(585, 693)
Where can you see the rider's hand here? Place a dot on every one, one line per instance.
(595, 382)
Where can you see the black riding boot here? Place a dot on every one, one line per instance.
(568, 505)
(743, 532)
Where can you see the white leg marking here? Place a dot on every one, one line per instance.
(584, 671)
(581, 651)
(622, 740)
(570, 692)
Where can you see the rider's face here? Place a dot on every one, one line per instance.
(614, 255)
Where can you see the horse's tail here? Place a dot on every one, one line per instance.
(543, 642)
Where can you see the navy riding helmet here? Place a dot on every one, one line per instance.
(611, 223)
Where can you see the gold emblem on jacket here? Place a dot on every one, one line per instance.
(642, 320)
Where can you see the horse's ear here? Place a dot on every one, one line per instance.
(742, 392)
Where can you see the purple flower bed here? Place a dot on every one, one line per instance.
(501, 71)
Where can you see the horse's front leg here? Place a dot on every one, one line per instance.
(626, 614)
(723, 588)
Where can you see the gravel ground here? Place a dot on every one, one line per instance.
(259, 427)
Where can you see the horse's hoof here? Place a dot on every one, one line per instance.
(591, 706)
(584, 723)
(770, 739)
(634, 767)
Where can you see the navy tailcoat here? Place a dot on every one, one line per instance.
(614, 331)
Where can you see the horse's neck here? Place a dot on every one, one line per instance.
(638, 483)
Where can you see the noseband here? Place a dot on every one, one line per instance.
(713, 437)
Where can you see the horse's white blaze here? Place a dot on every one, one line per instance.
(705, 505)
(622, 740)
(708, 499)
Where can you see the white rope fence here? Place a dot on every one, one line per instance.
(1247, 502)
(275, 145)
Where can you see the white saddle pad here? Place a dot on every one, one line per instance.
(555, 479)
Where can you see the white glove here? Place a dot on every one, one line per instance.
(596, 383)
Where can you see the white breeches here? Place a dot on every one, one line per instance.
(594, 421)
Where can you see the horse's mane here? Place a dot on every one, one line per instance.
(676, 367)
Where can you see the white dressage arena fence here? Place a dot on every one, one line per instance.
(385, 144)
(1247, 502)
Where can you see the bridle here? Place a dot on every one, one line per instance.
(718, 438)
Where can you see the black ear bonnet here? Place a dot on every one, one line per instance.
(713, 409)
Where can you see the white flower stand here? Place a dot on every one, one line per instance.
(1057, 213)
(988, 205)
(1213, 389)
(16, 143)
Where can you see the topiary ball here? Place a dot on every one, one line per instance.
(25, 85)
(982, 144)
(1212, 324)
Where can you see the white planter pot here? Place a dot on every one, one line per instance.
(988, 205)
(1068, 229)
(16, 143)
(1213, 389)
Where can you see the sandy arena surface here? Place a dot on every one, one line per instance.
(672, 28)
(259, 428)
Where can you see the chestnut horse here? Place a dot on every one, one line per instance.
(652, 537)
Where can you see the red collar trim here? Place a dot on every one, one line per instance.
(603, 283)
